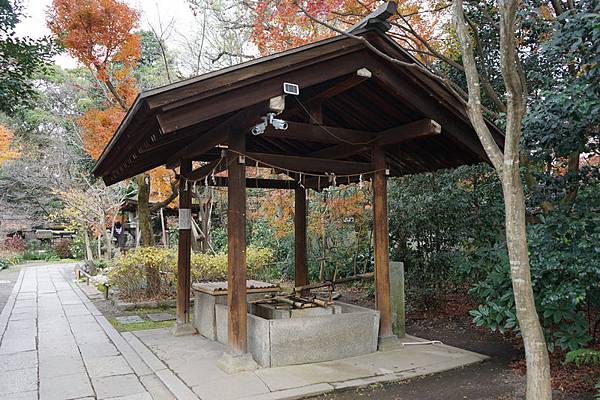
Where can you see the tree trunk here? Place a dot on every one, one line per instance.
(146, 233)
(507, 164)
(536, 352)
(143, 204)
(89, 255)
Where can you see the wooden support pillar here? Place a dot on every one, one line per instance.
(301, 265)
(236, 241)
(183, 325)
(381, 244)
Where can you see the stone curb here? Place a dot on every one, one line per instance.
(137, 362)
(179, 389)
(7, 310)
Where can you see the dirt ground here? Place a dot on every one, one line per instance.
(493, 379)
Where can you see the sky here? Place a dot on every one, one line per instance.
(34, 24)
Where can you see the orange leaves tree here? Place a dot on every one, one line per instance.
(7, 147)
(100, 35)
(281, 24)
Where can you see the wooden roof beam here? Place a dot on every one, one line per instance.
(218, 134)
(217, 166)
(310, 164)
(235, 99)
(319, 133)
(353, 80)
(256, 183)
(399, 134)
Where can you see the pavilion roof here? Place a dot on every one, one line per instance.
(339, 113)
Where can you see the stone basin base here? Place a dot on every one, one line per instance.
(280, 337)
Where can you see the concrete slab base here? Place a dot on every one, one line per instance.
(231, 364)
(389, 343)
(183, 329)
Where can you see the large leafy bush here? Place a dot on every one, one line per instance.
(565, 272)
(134, 272)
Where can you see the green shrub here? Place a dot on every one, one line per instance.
(585, 356)
(133, 271)
(9, 258)
(213, 267)
(565, 271)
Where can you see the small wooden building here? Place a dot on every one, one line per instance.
(358, 115)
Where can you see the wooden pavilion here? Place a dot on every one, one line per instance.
(357, 115)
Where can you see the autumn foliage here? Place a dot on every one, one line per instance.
(99, 34)
(280, 24)
(7, 147)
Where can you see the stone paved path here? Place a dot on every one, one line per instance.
(55, 345)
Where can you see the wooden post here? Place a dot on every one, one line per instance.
(236, 242)
(381, 244)
(185, 245)
(301, 266)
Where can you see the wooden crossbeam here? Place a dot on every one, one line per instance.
(412, 130)
(396, 135)
(187, 115)
(320, 134)
(206, 169)
(339, 151)
(218, 134)
(353, 80)
(259, 183)
(310, 164)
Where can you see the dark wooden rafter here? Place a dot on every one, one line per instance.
(319, 133)
(351, 81)
(249, 73)
(214, 166)
(236, 99)
(340, 151)
(310, 164)
(256, 183)
(405, 88)
(218, 134)
(399, 134)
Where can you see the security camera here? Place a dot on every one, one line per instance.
(269, 119)
(277, 123)
(259, 129)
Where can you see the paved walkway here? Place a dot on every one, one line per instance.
(55, 345)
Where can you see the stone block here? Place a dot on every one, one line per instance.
(204, 315)
(237, 364)
(107, 366)
(322, 338)
(15, 361)
(397, 298)
(66, 387)
(22, 380)
(116, 386)
(129, 319)
(160, 317)
(258, 330)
